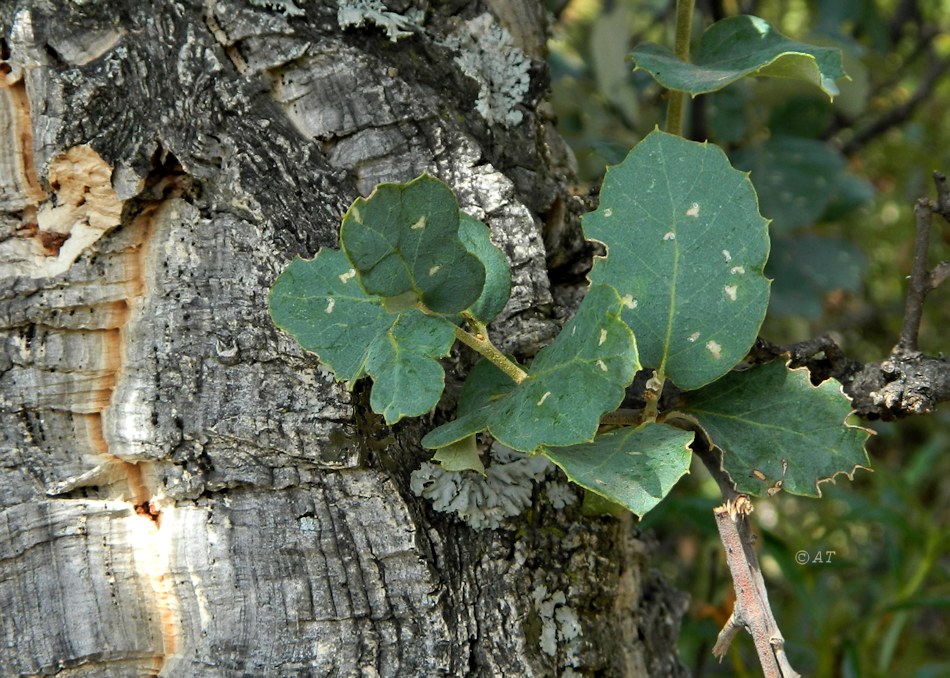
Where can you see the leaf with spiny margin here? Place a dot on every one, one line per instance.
(403, 241)
(736, 47)
(476, 237)
(633, 467)
(760, 416)
(320, 303)
(686, 247)
(461, 455)
(571, 384)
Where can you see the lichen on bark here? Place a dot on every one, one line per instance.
(183, 490)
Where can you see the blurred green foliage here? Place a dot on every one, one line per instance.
(839, 179)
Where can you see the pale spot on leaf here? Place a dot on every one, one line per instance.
(737, 270)
(602, 365)
(629, 301)
(726, 256)
(693, 337)
(608, 212)
(331, 302)
(346, 277)
(543, 398)
(670, 236)
(693, 210)
(603, 338)
(714, 348)
(355, 211)
(419, 225)
(731, 291)
(435, 269)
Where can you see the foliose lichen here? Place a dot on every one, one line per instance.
(355, 13)
(559, 624)
(483, 502)
(286, 7)
(560, 495)
(487, 54)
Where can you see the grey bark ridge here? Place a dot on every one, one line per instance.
(183, 491)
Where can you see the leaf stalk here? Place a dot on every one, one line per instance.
(488, 350)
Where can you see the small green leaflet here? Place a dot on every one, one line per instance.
(633, 467)
(321, 304)
(475, 236)
(736, 47)
(571, 384)
(403, 240)
(686, 247)
(762, 416)
(460, 456)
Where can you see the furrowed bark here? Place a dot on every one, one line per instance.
(183, 491)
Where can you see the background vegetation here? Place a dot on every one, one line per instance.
(841, 201)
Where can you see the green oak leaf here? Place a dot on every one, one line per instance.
(404, 239)
(686, 247)
(320, 303)
(736, 47)
(476, 237)
(633, 467)
(461, 455)
(572, 382)
(761, 416)
(485, 385)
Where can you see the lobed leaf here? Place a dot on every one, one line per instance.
(572, 382)
(686, 248)
(762, 416)
(476, 237)
(403, 241)
(633, 467)
(320, 303)
(736, 47)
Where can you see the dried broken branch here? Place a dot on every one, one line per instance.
(752, 611)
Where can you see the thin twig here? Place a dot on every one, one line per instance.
(943, 196)
(901, 113)
(919, 278)
(752, 610)
(710, 460)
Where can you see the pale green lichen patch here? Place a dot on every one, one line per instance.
(487, 54)
(356, 13)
